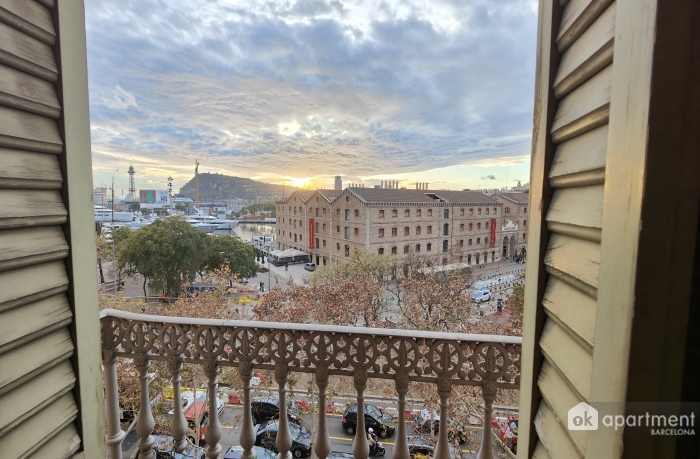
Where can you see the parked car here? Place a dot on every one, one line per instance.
(310, 266)
(236, 451)
(420, 445)
(164, 449)
(374, 417)
(264, 409)
(427, 422)
(481, 295)
(266, 436)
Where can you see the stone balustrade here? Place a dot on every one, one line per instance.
(444, 359)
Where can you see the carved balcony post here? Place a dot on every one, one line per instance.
(488, 392)
(145, 423)
(115, 435)
(401, 446)
(360, 447)
(247, 435)
(179, 427)
(284, 435)
(442, 450)
(213, 433)
(322, 447)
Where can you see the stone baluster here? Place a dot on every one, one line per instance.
(322, 447)
(247, 436)
(213, 433)
(401, 447)
(115, 435)
(488, 392)
(442, 450)
(179, 427)
(360, 447)
(145, 423)
(284, 435)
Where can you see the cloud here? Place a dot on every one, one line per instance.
(301, 87)
(121, 100)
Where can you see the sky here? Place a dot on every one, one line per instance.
(296, 92)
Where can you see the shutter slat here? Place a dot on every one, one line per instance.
(47, 3)
(540, 452)
(29, 170)
(577, 16)
(28, 54)
(553, 434)
(31, 397)
(561, 399)
(30, 208)
(577, 209)
(23, 91)
(587, 55)
(30, 17)
(22, 364)
(28, 131)
(574, 261)
(32, 283)
(568, 357)
(584, 109)
(581, 160)
(29, 436)
(21, 325)
(572, 310)
(30, 246)
(62, 446)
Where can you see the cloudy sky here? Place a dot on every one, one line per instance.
(437, 91)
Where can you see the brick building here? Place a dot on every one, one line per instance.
(514, 223)
(329, 224)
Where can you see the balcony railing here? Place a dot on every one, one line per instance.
(444, 359)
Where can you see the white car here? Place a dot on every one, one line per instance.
(481, 295)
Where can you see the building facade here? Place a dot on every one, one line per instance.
(514, 223)
(329, 224)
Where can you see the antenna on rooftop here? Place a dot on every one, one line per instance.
(132, 183)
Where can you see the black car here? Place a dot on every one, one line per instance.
(266, 436)
(419, 445)
(264, 409)
(429, 423)
(236, 451)
(374, 418)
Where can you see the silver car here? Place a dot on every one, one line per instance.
(482, 295)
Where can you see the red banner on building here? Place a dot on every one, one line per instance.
(311, 233)
(492, 242)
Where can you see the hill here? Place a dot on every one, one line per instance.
(215, 187)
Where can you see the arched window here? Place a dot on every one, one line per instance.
(347, 214)
(469, 259)
(381, 232)
(444, 245)
(471, 211)
(417, 230)
(381, 251)
(417, 247)
(347, 198)
(393, 250)
(446, 213)
(478, 211)
(461, 226)
(487, 225)
(430, 229)
(461, 212)
(406, 231)
(428, 246)
(507, 210)
(394, 231)
(394, 213)
(418, 212)
(471, 226)
(357, 231)
(381, 214)
(406, 249)
(357, 213)
(446, 229)
(430, 212)
(495, 210)
(407, 213)
(478, 226)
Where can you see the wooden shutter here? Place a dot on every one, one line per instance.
(595, 167)
(39, 415)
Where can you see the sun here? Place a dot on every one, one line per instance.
(299, 182)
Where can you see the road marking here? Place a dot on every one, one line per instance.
(229, 427)
(340, 438)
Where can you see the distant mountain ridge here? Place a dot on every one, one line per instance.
(215, 187)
